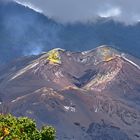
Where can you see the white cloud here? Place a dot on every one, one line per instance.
(112, 12)
(29, 5)
(126, 11)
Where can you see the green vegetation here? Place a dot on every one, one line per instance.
(23, 128)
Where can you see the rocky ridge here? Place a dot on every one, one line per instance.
(93, 93)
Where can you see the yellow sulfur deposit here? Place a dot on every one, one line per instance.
(106, 54)
(108, 58)
(54, 57)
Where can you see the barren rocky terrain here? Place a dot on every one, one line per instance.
(92, 95)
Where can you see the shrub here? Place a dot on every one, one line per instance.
(23, 128)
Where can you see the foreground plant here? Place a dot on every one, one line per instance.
(23, 128)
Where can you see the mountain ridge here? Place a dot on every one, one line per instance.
(76, 92)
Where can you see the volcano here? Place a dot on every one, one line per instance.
(92, 95)
(36, 33)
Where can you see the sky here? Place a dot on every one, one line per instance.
(70, 11)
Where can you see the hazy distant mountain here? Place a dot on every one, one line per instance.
(92, 95)
(25, 32)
